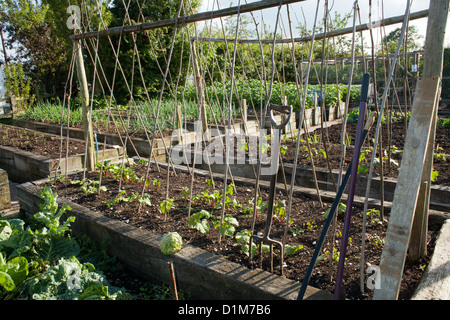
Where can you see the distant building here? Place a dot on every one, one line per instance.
(5, 106)
(2, 85)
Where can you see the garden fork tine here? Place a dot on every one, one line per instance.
(265, 238)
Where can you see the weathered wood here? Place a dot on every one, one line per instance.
(244, 113)
(417, 247)
(200, 90)
(330, 34)
(24, 166)
(407, 191)
(136, 146)
(202, 16)
(5, 195)
(432, 66)
(87, 125)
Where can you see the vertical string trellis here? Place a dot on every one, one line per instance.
(227, 144)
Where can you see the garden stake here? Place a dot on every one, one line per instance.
(351, 191)
(330, 217)
(173, 283)
(265, 238)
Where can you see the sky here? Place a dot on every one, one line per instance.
(307, 9)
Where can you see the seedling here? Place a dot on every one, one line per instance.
(377, 241)
(310, 226)
(437, 153)
(260, 207)
(279, 210)
(373, 215)
(296, 232)
(90, 187)
(243, 237)
(341, 209)
(185, 193)
(243, 145)
(215, 199)
(156, 184)
(200, 222)
(122, 197)
(335, 255)
(145, 199)
(166, 205)
(228, 225)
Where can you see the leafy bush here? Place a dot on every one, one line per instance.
(18, 85)
(254, 92)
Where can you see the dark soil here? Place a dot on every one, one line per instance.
(46, 145)
(333, 150)
(119, 127)
(304, 228)
(316, 149)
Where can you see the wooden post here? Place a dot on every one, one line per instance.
(244, 112)
(432, 67)
(407, 191)
(411, 197)
(87, 125)
(201, 94)
(179, 123)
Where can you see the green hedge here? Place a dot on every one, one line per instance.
(254, 92)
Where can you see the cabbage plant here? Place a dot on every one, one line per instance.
(171, 243)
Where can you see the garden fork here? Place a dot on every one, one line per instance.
(265, 237)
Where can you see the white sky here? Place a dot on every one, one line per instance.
(307, 9)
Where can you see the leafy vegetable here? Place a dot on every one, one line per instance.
(72, 280)
(13, 272)
(50, 215)
(289, 249)
(198, 221)
(171, 243)
(228, 225)
(39, 262)
(165, 205)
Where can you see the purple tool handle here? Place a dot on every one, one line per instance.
(352, 184)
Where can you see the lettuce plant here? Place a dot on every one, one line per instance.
(171, 243)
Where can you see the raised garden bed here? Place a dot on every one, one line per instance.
(440, 188)
(138, 146)
(242, 166)
(5, 196)
(28, 155)
(205, 253)
(397, 138)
